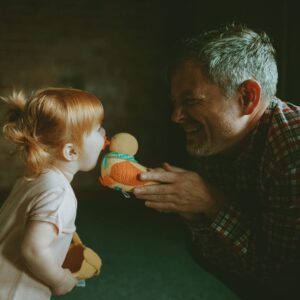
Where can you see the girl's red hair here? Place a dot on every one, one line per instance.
(42, 125)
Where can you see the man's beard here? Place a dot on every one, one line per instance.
(197, 150)
(203, 150)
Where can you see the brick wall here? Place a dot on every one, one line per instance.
(116, 49)
(109, 48)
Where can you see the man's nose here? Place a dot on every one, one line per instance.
(178, 114)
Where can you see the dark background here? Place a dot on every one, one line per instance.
(118, 50)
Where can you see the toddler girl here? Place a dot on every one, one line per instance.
(58, 133)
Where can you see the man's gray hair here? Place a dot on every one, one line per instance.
(232, 54)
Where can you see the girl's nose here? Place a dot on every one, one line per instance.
(106, 143)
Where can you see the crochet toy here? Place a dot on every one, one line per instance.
(82, 261)
(119, 169)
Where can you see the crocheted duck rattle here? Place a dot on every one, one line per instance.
(119, 169)
(82, 261)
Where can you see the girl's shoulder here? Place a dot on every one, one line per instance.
(49, 181)
(50, 192)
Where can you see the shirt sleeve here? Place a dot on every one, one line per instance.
(46, 207)
(265, 248)
(224, 242)
(281, 220)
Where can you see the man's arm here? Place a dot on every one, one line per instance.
(217, 226)
(265, 249)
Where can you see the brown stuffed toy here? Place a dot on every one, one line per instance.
(82, 261)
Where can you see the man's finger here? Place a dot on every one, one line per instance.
(155, 189)
(171, 168)
(160, 206)
(156, 198)
(164, 177)
(156, 170)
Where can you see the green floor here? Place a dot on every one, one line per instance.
(144, 254)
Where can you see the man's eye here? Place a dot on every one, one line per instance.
(191, 101)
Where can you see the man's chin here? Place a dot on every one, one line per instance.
(198, 151)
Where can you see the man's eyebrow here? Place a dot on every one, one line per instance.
(186, 95)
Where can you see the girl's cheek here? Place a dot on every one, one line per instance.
(103, 146)
(102, 132)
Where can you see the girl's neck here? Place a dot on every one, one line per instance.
(66, 168)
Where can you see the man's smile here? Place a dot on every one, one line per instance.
(194, 129)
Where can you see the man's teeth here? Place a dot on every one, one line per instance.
(194, 130)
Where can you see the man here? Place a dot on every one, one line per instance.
(241, 202)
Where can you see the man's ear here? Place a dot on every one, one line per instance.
(70, 152)
(250, 91)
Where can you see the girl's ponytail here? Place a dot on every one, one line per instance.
(17, 130)
(16, 105)
(43, 124)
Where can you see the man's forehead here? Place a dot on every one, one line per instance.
(188, 72)
(181, 94)
(189, 65)
(186, 80)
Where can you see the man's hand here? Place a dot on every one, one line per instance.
(180, 191)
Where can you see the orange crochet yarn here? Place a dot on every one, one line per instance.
(126, 173)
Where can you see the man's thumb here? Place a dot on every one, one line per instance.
(170, 168)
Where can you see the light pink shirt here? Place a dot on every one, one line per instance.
(48, 198)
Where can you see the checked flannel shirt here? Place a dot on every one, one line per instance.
(257, 231)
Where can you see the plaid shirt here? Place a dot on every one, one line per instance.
(257, 231)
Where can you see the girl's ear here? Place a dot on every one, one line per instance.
(250, 91)
(70, 152)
